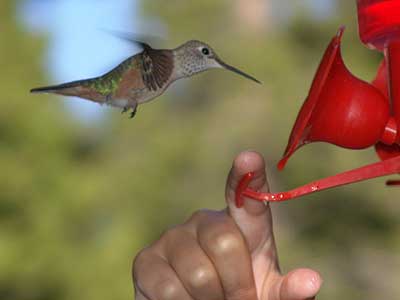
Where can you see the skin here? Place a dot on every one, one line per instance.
(228, 254)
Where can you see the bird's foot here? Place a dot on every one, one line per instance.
(125, 109)
(133, 113)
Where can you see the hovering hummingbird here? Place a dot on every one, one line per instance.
(144, 76)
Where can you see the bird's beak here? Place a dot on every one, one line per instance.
(237, 71)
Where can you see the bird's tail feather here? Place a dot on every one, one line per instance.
(79, 88)
(60, 88)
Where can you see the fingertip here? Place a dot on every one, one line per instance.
(300, 284)
(247, 161)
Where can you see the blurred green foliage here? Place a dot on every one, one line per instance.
(78, 201)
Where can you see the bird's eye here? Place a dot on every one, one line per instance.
(205, 51)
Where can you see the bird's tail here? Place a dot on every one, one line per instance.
(67, 89)
(79, 88)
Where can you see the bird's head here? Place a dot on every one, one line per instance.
(194, 57)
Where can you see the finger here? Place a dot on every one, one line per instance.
(156, 280)
(193, 267)
(300, 284)
(254, 219)
(222, 241)
(139, 295)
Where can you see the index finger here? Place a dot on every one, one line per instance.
(254, 218)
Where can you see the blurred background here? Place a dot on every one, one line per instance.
(83, 189)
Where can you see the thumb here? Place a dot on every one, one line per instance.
(254, 218)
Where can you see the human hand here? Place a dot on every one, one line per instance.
(228, 254)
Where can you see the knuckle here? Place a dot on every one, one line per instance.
(167, 289)
(170, 234)
(201, 277)
(223, 243)
(198, 215)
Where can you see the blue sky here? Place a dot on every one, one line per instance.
(321, 8)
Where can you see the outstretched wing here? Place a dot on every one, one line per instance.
(157, 67)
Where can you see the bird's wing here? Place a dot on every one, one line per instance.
(143, 41)
(157, 67)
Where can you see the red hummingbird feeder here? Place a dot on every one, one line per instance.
(346, 111)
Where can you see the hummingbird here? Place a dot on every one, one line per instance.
(144, 76)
